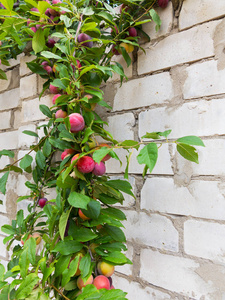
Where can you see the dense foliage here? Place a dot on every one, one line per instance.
(80, 230)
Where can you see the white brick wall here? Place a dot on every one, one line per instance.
(9, 99)
(155, 89)
(205, 10)
(202, 118)
(121, 126)
(205, 239)
(174, 273)
(5, 118)
(188, 46)
(28, 86)
(9, 140)
(203, 199)
(154, 230)
(30, 109)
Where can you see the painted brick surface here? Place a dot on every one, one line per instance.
(189, 119)
(121, 126)
(188, 46)
(154, 230)
(5, 118)
(9, 140)
(28, 86)
(206, 10)
(205, 240)
(203, 199)
(30, 109)
(9, 99)
(145, 91)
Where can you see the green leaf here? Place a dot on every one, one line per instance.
(2, 272)
(67, 21)
(3, 75)
(29, 132)
(19, 218)
(58, 83)
(40, 159)
(116, 257)
(42, 6)
(27, 286)
(115, 232)
(121, 185)
(8, 229)
(26, 161)
(24, 263)
(8, 4)
(85, 265)
(114, 213)
(49, 54)
(45, 110)
(47, 148)
(58, 143)
(30, 245)
(93, 209)
(126, 56)
(188, 152)
(81, 234)
(32, 2)
(7, 153)
(99, 154)
(155, 18)
(3, 181)
(148, 155)
(38, 41)
(62, 264)
(67, 247)
(191, 140)
(63, 222)
(78, 200)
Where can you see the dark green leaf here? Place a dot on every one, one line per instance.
(85, 265)
(115, 232)
(3, 181)
(99, 154)
(7, 153)
(122, 185)
(47, 148)
(32, 133)
(67, 247)
(40, 159)
(63, 222)
(27, 286)
(45, 110)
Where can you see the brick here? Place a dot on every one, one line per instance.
(204, 239)
(178, 274)
(13, 62)
(28, 86)
(4, 220)
(40, 131)
(166, 15)
(4, 84)
(155, 230)
(121, 126)
(41, 82)
(155, 89)
(24, 139)
(24, 70)
(204, 79)
(21, 188)
(193, 12)
(30, 109)
(3, 206)
(198, 41)
(203, 199)
(5, 118)
(3, 252)
(9, 140)
(23, 205)
(4, 160)
(136, 291)
(189, 119)
(9, 99)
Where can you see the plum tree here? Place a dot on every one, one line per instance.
(60, 114)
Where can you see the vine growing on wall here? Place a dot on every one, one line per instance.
(68, 247)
